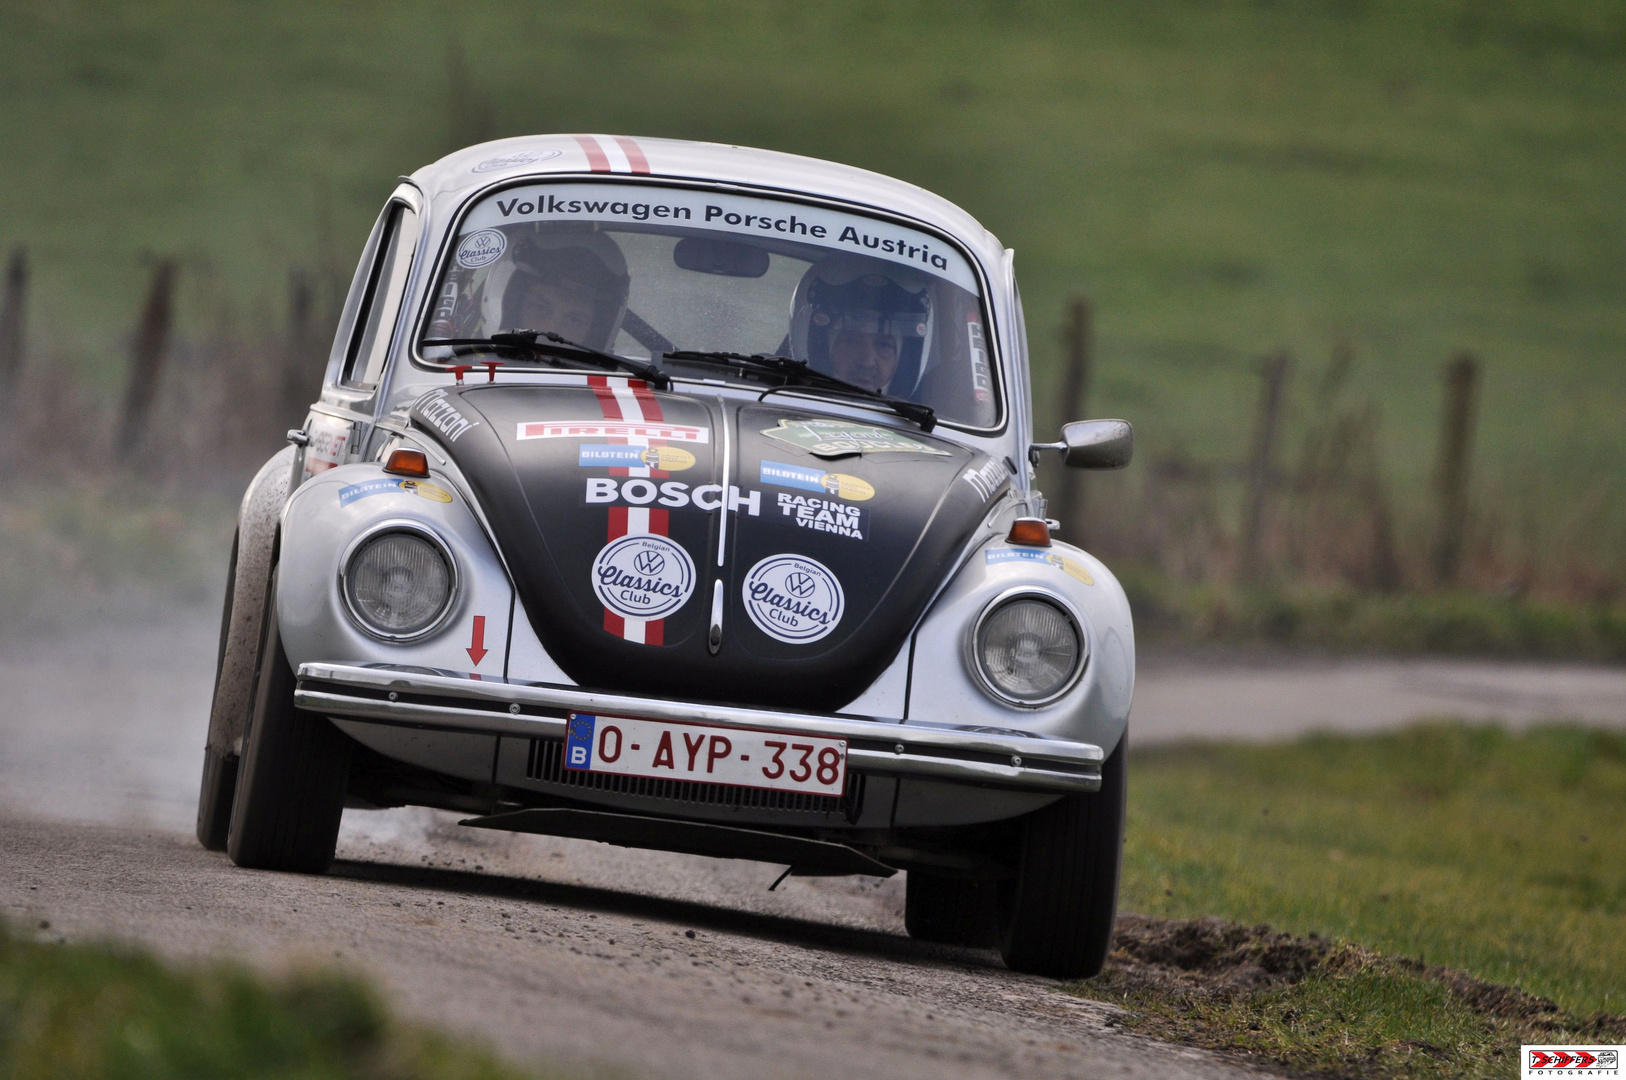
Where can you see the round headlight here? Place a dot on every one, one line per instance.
(1028, 650)
(398, 584)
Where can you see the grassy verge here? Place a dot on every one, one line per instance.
(1444, 846)
(87, 1012)
(1344, 619)
(1326, 1008)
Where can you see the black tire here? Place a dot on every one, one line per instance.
(1056, 913)
(219, 784)
(215, 796)
(950, 911)
(291, 784)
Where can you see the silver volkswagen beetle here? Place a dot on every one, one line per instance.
(681, 496)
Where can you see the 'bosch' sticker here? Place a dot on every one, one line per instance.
(793, 599)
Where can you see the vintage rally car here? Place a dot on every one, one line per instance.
(681, 496)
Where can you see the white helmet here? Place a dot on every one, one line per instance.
(575, 255)
(846, 291)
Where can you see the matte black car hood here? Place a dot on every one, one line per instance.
(610, 504)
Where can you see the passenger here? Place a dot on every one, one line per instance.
(851, 318)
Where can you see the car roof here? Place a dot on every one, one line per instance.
(451, 179)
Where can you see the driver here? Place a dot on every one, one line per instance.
(570, 281)
(853, 318)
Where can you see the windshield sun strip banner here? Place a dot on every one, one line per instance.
(721, 212)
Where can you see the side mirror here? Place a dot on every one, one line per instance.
(1094, 444)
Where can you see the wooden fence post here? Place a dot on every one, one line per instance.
(1078, 341)
(1260, 468)
(12, 313)
(147, 357)
(299, 388)
(1456, 441)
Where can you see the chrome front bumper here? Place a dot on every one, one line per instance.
(445, 701)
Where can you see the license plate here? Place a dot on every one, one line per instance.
(709, 755)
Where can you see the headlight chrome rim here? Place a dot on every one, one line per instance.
(422, 532)
(973, 652)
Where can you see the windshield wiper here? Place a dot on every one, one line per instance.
(793, 372)
(554, 347)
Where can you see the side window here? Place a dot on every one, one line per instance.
(370, 342)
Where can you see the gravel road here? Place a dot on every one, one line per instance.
(592, 958)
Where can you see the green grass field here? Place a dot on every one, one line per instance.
(1222, 177)
(1502, 855)
(93, 1012)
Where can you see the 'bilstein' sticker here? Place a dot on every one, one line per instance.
(793, 599)
(643, 576)
(664, 458)
(838, 438)
(611, 429)
(479, 248)
(421, 488)
(840, 485)
(823, 515)
(1060, 562)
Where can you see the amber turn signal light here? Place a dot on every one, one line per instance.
(1029, 532)
(413, 463)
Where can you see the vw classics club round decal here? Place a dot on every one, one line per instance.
(643, 576)
(793, 599)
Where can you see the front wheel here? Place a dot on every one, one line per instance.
(292, 780)
(1056, 912)
(219, 785)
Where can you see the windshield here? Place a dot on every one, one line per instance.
(643, 271)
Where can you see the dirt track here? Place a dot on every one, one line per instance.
(578, 953)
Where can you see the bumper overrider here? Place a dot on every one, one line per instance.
(443, 701)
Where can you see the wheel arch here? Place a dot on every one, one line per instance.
(258, 522)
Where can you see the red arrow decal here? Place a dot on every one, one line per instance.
(477, 648)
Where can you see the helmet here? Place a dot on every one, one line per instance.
(576, 257)
(855, 292)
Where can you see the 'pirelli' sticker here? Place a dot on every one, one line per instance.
(611, 429)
